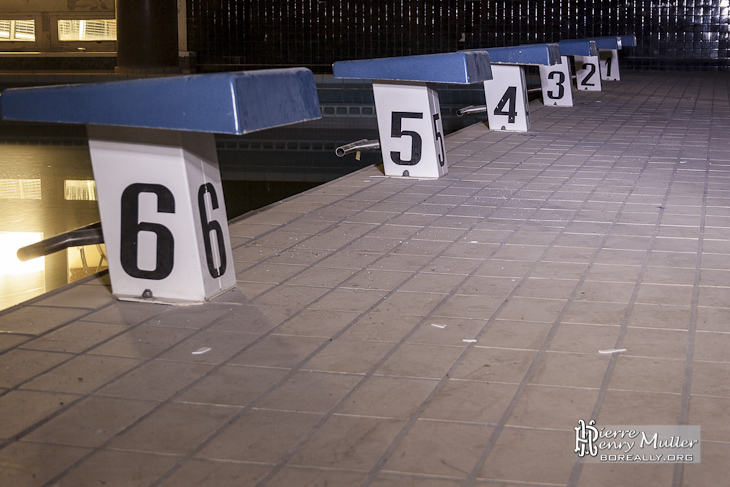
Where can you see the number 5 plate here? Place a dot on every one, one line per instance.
(411, 134)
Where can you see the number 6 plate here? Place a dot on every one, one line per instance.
(162, 212)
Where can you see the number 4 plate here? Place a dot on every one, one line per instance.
(162, 213)
(506, 96)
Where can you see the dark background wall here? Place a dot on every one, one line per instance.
(671, 34)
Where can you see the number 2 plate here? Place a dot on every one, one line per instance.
(587, 74)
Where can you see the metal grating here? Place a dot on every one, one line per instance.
(671, 34)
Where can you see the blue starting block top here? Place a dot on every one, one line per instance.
(229, 103)
(528, 54)
(457, 67)
(609, 42)
(578, 47)
(628, 41)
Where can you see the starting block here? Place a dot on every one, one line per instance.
(587, 67)
(608, 48)
(609, 57)
(556, 81)
(407, 105)
(153, 154)
(506, 92)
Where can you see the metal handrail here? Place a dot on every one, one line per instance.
(359, 145)
(88, 235)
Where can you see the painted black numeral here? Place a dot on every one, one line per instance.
(441, 155)
(211, 226)
(592, 68)
(397, 131)
(131, 227)
(608, 66)
(510, 100)
(559, 83)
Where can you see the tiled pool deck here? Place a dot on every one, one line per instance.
(391, 332)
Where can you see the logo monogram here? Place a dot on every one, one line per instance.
(585, 437)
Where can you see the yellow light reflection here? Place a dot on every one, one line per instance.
(26, 189)
(83, 189)
(19, 281)
(10, 242)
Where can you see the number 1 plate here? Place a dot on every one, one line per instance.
(609, 64)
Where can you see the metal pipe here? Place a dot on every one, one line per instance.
(358, 145)
(471, 109)
(88, 235)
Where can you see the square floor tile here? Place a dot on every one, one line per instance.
(232, 385)
(278, 351)
(447, 331)
(305, 391)
(595, 313)
(712, 346)
(315, 477)
(35, 320)
(548, 464)
(347, 356)
(348, 442)
(174, 428)
(638, 407)
(439, 448)
(209, 473)
(514, 334)
(566, 404)
(576, 338)
(494, 365)
(33, 464)
(260, 435)
(532, 309)
(647, 374)
(625, 474)
(82, 374)
(75, 337)
(144, 341)
(156, 380)
(209, 346)
(649, 342)
(711, 413)
(416, 360)
(571, 369)
(713, 467)
(470, 402)
(388, 397)
(118, 468)
(23, 409)
(19, 365)
(91, 421)
(381, 327)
